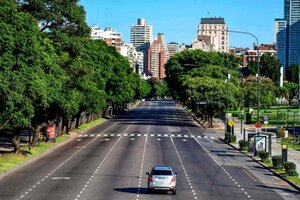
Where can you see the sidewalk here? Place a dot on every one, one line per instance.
(293, 155)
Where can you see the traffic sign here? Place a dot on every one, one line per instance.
(266, 118)
(231, 123)
(258, 124)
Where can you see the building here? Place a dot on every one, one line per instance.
(280, 41)
(287, 34)
(184, 46)
(238, 51)
(251, 55)
(212, 35)
(173, 48)
(128, 51)
(141, 38)
(110, 36)
(157, 57)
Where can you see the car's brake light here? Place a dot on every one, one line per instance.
(150, 179)
(173, 179)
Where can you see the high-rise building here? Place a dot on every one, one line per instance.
(158, 55)
(288, 34)
(212, 35)
(111, 37)
(141, 38)
(173, 48)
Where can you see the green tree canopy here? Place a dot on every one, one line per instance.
(56, 15)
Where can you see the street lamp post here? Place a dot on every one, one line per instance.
(227, 95)
(258, 69)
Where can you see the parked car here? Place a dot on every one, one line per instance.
(162, 178)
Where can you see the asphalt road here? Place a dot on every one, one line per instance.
(110, 161)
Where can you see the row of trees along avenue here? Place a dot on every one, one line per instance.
(51, 72)
(197, 76)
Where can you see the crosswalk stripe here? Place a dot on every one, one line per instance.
(146, 134)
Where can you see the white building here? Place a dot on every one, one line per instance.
(128, 51)
(212, 35)
(110, 36)
(141, 38)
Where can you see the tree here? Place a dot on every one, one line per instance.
(293, 90)
(267, 92)
(144, 89)
(54, 15)
(194, 75)
(292, 73)
(270, 67)
(25, 72)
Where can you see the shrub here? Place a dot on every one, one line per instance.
(264, 156)
(243, 145)
(290, 168)
(229, 138)
(280, 133)
(277, 162)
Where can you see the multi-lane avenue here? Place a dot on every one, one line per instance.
(110, 161)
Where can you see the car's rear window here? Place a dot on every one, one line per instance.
(161, 172)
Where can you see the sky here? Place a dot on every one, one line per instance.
(178, 20)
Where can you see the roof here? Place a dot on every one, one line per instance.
(162, 168)
(213, 20)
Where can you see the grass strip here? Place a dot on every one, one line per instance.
(11, 160)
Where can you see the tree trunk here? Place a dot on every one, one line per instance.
(36, 136)
(16, 142)
(59, 126)
(77, 120)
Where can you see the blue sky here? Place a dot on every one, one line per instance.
(179, 19)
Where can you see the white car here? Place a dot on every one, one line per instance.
(162, 178)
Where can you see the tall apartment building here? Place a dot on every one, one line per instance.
(212, 35)
(111, 37)
(173, 48)
(141, 38)
(287, 34)
(157, 57)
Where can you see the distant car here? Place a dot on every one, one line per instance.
(162, 178)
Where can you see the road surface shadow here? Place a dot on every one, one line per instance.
(139, 191)
(133, 190)
(284, 190)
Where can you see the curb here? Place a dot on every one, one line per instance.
(271, 170)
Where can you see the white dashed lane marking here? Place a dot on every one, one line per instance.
(146, 134)
(42, 180)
